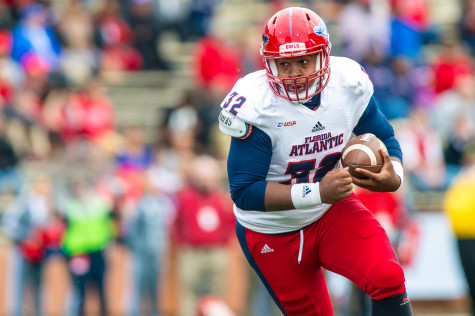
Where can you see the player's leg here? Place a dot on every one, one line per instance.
(298, 288)
(352, 243)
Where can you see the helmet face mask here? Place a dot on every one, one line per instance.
(296, 32)
(299, 88)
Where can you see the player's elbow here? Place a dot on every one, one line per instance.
(393, 146)
(242, 200)
(238, 199)
(249, 198)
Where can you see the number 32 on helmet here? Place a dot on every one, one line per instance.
(295, 32)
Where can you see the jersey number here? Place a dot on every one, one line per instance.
(236, 105)
(301, 170)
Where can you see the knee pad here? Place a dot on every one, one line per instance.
(386, 275)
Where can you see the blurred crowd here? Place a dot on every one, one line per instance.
(76, 182)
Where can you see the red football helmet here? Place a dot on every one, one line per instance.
(295, 32)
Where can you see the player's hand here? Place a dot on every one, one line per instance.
(384, 181)
(335, 186)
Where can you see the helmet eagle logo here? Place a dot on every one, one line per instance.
(321, 29)
(265, 39)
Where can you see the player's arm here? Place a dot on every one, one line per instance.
(248, 164)
(390, 177)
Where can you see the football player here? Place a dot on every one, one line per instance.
(296, 213)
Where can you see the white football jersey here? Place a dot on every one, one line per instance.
(306, 143)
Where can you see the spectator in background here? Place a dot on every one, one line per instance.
(409, 27)
(132, 158)
(248, 43)
(24, 111)
(406, 40)
(135, 153)
(201, 17)
(453, 116)
(10, 178)
(52, 120)
(34, 36)
(7, 14)
(89, 114)
(467, 24)
(180, 147)
(29, 137)
(450, 63)
(216, 68)
(459, 205)
(88, 232)
(181, 116)
(117, 40)
(394, 84)
(11, 74)
(202, 228)
(364, 28)
(216, 61)
(145, 28)
(25, 222)
(172, 15)
(19, 119)
(26, 130)
(147, 236)
(415, 12)
(193, 114)
(423, 151)
(462, 134)
(378, 68)
(76, 29)
(453, 103)
(403, 87)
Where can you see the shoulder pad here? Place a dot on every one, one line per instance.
(233, 126)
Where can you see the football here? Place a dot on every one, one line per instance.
(363, 151)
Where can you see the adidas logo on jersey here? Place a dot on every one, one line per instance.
(318, 127)
(266, 249)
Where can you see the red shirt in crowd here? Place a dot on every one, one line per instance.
(390, 210)
(203, 219)
(216, 63)
(383, 203)
(450, 65)
(414, 11)
(88, 116)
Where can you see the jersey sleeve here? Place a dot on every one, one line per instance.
(364, 89)
(248, 164)
(245, 99)
(373, 121)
